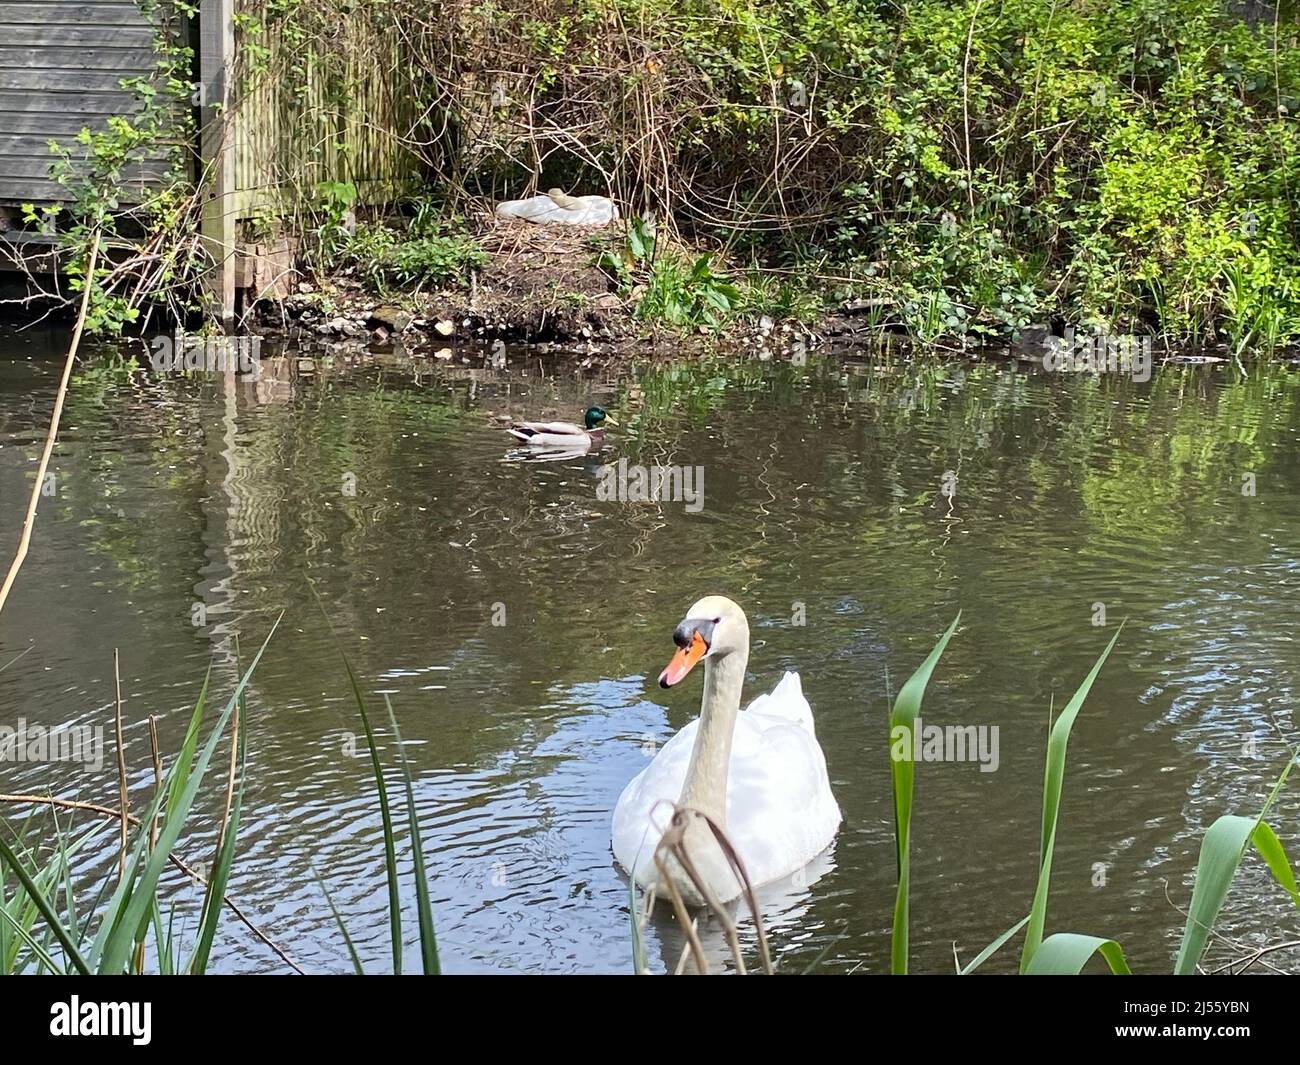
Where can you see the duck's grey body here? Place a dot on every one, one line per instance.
(561, 435)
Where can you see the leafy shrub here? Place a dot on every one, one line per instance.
(669, 287)
(385, 258)
(1133, 165)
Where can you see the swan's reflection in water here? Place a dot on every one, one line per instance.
(784, 906)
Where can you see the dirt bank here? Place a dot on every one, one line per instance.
(538, 285)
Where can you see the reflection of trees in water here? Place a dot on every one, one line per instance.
(797, 459)
(823, 485)
(113, 419)
(243, 500)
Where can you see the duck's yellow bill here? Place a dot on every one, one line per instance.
(610, 420)
(683, 661)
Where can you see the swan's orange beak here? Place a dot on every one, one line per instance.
(683, 661)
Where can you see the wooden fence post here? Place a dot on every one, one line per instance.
(216, 146)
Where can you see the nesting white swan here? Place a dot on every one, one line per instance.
(759, 774)
(558, 208)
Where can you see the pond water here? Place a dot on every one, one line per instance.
(518, 622)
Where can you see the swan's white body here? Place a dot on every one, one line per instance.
(780, 812)
(573, 211)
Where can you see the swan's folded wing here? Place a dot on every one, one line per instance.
(540, 208)
(781, 812)
(785, 703)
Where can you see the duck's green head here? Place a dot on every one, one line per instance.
(596, 417)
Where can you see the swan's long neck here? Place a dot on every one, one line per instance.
(706, 777)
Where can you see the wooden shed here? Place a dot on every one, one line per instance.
(62, 68)
(62, 63)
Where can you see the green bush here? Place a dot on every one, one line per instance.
(669, 287)
(1133, 165)
(1129, 165)
(385, 258)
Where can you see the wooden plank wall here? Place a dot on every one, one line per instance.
(61, 64)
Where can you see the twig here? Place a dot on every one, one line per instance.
(30, 521)
(683, 918)
(747, 887)
(121, 767)
(711, 900)
(1250, 959)
(16, 657)
(965, 104)
(193, 874)
(673, 841)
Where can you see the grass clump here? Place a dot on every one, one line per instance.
(1223, 849)
(45, 928)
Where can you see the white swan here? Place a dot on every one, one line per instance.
(558, 208)
(760, 775)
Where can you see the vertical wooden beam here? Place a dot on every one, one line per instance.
(216, 146)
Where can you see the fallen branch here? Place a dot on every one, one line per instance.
(88, 282)
(673, 843)
(107, 811)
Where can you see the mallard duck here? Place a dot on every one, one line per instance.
(760, 775)
(565, 436)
